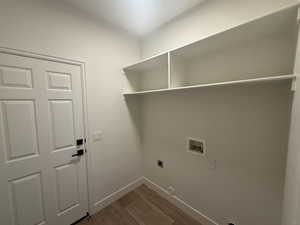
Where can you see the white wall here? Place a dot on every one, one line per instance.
(246, 132)
(246, 128)
(291, 215)
(50, 27)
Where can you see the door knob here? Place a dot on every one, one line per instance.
(80, 152)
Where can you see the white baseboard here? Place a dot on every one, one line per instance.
(97, 206)
(197, 215)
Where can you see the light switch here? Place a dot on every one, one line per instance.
(97, 136)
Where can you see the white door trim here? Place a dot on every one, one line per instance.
(82, 65)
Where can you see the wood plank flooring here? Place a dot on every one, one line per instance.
(140, 207)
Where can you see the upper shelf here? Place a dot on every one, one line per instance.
(264, 25)
(270, 37)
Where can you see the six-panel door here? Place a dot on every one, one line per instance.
(41, 117)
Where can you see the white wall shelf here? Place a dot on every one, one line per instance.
(149, 74)
(265, 45)
(147, 64)
(291, 77)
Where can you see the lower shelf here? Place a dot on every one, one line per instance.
(291, 77)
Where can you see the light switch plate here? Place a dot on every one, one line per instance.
(97, 136)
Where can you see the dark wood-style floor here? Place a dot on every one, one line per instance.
(140, 207)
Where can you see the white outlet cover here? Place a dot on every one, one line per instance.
(212, 164)
(97, 136)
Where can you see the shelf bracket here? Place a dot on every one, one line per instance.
(294, 85)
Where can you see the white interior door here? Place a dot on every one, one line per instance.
(41, 117)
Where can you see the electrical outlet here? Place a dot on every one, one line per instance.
(160, 163)
(196, 146)
(212, 164)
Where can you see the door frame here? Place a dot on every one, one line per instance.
(82, 66)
